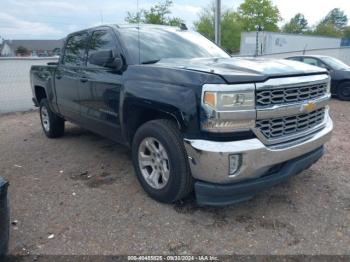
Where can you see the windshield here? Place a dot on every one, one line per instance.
(160, 43)
(335, 63)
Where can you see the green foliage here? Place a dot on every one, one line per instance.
(263, 13)
(327, 29)
(250, 14)
(157, 14)
(231, 32)
(337, 18)
(230, 28)
(346, 32)
(22, 51)
(333, 24)
(297, 25)
(205, 23)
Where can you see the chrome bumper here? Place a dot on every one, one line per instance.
(209, 160)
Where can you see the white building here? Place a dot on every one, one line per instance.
(33, 47)
(271, 43)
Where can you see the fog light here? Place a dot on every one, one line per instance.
(234, 164)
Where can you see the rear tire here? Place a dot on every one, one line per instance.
(343, 91)
(52, 124)
(173, 180)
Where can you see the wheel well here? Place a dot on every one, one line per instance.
(40, 93)
(141, 115)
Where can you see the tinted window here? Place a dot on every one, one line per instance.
(101, 40)
(295, 58)
(311, 61)
(75, 50)
(159, 43)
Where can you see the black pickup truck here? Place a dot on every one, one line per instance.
(195, 118)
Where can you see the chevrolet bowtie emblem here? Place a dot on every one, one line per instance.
(308, 107)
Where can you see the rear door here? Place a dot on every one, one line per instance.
(68, 76)
(99, 95)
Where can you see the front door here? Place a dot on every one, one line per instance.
(99, 95)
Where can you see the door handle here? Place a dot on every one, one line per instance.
(83, 79)
(58, 76)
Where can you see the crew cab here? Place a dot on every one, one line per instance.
(195, 118)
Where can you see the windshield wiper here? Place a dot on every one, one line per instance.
(150, 62)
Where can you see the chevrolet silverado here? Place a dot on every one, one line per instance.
(195, 118)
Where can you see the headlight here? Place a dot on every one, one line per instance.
(228, 108)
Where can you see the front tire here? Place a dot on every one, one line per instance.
(52, 124)
(160, 161)
(343, 91)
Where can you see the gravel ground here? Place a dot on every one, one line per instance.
(79, 195)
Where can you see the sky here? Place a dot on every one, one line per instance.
(54, 19)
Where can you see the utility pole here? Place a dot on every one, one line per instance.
(217, 22)
(258, 28)
(101, 16)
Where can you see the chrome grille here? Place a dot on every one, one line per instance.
(290, 125)
(267, 97)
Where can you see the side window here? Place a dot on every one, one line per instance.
(101, 40)
(311, 61)
(75, 50)
(295, 59)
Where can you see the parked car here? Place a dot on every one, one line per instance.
(4, 217)
(339, 72)
(194, 117)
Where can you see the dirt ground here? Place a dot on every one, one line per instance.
(79, 195)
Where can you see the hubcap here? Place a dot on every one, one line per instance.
(45, 118)
(154, 163)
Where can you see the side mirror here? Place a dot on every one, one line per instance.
(106, 59)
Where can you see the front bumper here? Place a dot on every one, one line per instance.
(261, 166)
(218, 195)
(209, 160)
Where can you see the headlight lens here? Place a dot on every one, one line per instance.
(229, 100)
(228, 108)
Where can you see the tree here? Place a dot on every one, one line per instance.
(346, 32)
(297, 25)
(157, 14)
(263, 13)
(327, 29)
(205, 23)
(337, 18)
(230, 27)
(22, 51)
(333, 24)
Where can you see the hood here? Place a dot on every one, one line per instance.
(240, 70)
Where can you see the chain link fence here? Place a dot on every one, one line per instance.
(15, 91)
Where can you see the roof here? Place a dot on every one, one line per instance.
(144, 25)
(315, 56)
(123, 26)
(35, 44)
